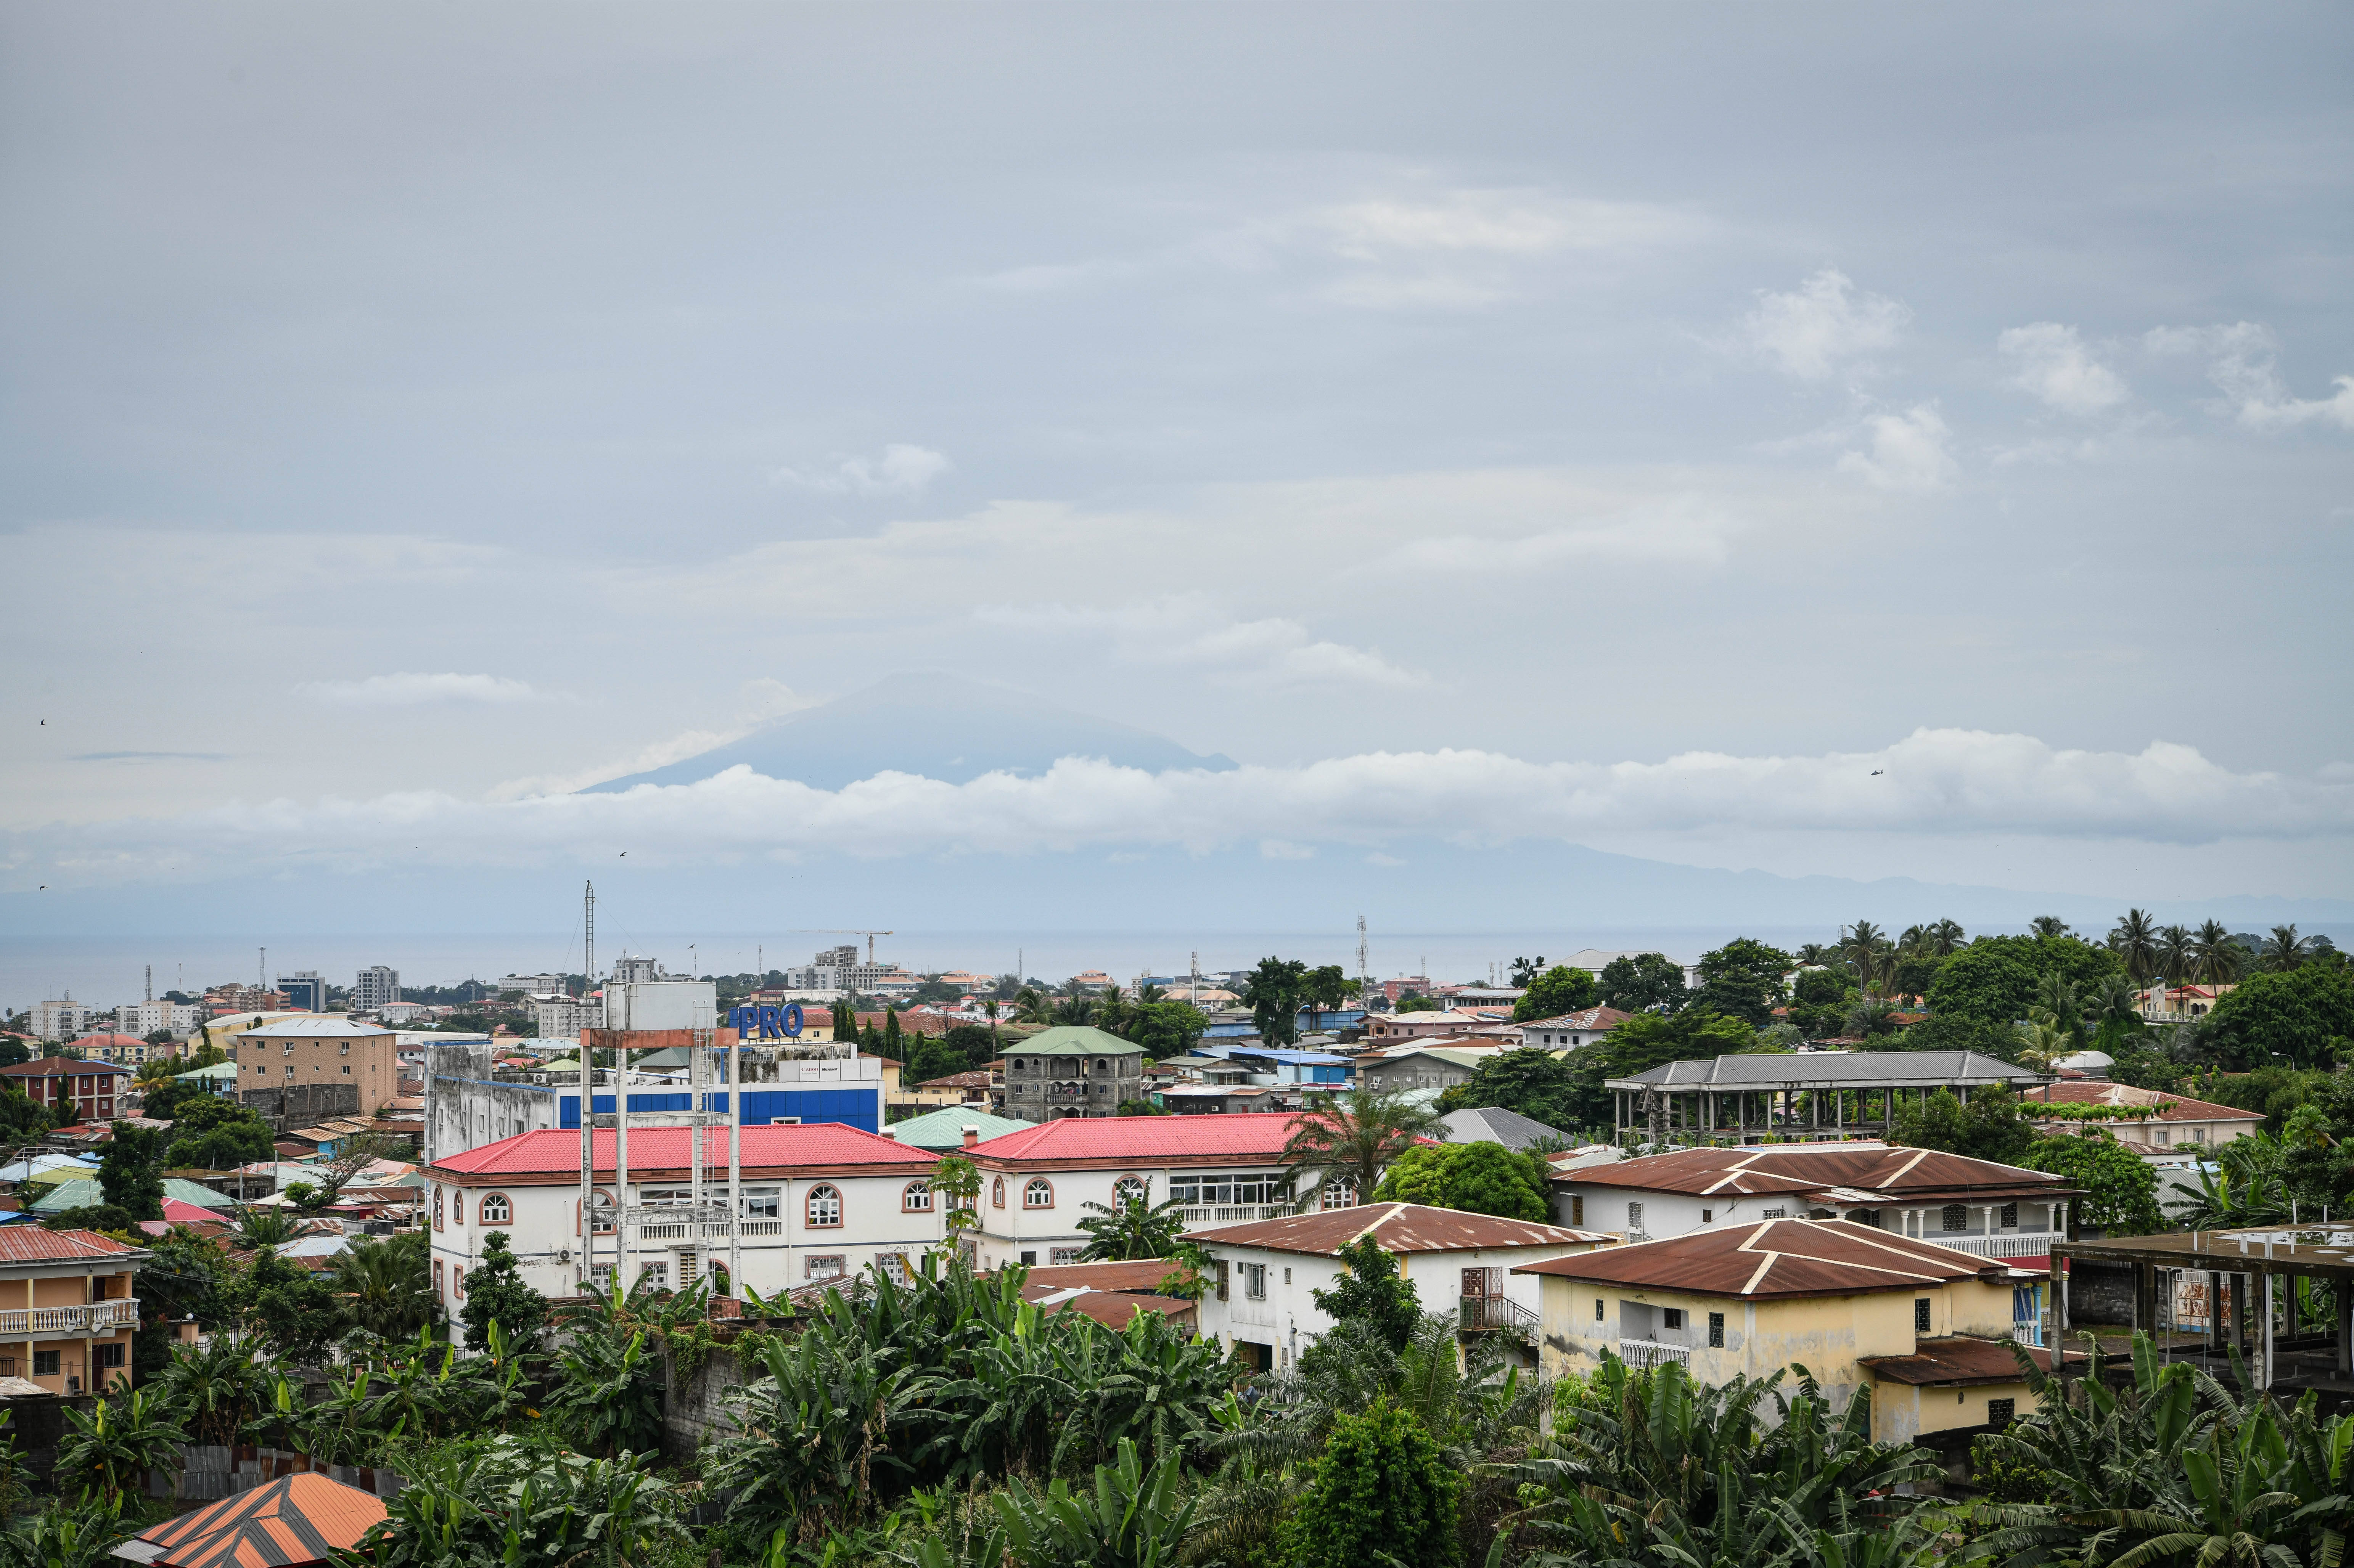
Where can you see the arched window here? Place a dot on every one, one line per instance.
(461, 1285)
(457, 1208)
(825, 1205)
(1038, 1194)
(916, 1198)
(997, 1192)
(437, 1208)
(494, 1210)
(1130, 1190)
(602, 1221)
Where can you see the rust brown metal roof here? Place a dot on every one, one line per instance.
(1113, 1308)
(1955, 1359)
(1860, 1173)
(1397, 1227)
(1142, 1275)
(1776, 1258)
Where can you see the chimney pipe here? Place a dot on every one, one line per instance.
(972, 1136)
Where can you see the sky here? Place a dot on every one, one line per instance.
(1829, 441)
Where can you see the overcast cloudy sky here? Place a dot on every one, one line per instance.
(1690, 410)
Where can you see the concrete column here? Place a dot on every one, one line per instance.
(2059, 1315)
(2215, 1314)
(2146, 1297)
(2343, 1290)
(2264, 1327)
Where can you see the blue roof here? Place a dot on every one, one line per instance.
(1279, 1053)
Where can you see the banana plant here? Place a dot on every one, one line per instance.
(1128, 1519)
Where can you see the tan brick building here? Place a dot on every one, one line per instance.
(310, 1049)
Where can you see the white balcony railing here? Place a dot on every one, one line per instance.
(98, 1316)
(1640, 1354)
(1234, 1214)
(2003, 1244)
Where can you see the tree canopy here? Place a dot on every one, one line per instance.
(2120, 1188)
(2296, 1015)
(1743, 979)
(1535, 1082)
(1479, 1177)
(1557, 991)
(1648, 982)
(1373, 1292)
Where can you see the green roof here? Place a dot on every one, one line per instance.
(219, 1072)
(1075, 1040)
(943, 1130)
(87, 1194)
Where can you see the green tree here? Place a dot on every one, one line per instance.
(1381, 1492)
(292, 1308)
(1648, 982)
(2284, 950)
(1743, 979)
(1819, 998)
(1350, 1143)
(112, 1447)
(1166, 1028)
(1476, 1178)
(1558, 991)
(1959, 1031)
(111, 1218)
(956, 1184)
(1273, 994)
(1991, 1127)
(1323, 989)
(213, 1132)
(2120, 1188)
(497, 1293)
(130, 1172)
(1996, 979)
(2137, 945)
(1126, 1518)
(1132, 1228)
(1372, 1292)
(1533, 1082)
(383, 1285)
(2289, 1016)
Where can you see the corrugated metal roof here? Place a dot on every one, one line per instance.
(1494, 1124)
(315, 1026)
(1398, 1227)
(944, 1128)
(1846, 1069)
(30, 1243)
(1857, 1172)
(550, 1151)
(292, 1521)
(1255, 1138)
(1073, 1039)
(2170, 1106)
(1956, 1358)
(1776, 1259)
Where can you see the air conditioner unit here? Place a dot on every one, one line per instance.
(73, 1385)
(784, 1121)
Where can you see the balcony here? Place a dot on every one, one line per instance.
(1485, 1313)
(1234, 1214)
(1640, 1354)
(2002, 1244)
(97, 1318)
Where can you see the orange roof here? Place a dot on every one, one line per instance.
(282, 1524)
(29, 1243)
(1397, 1227)
(1776, 1259)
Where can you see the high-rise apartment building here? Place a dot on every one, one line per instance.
(61, 1020)
(373, 986)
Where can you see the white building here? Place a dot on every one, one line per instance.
(561, 1017)
(1260, 1298)
(814, 1203)
(1971, 1205)
(531, 985)
(373, 986)
(143, 1018)
(61, 1020)
(1037, 1184)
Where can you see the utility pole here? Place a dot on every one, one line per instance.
(589, 1098)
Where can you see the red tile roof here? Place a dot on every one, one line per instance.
(555, 1152)
(59, 1066)
(1132, 1138)
(30, 1243)
(2172, 1106)
(1776, 1258)
(292, 1521)
(180, 1212)
(100, 1042)
(1956, 1358)
(1864, 1174)
(1398, 1227)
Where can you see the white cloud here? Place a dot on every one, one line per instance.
(2244, 363)
(1943, 784)
(2054, 364)
(1824, 325)
(902, 470)
(1499, 223)
(408, 690)
(1190, 631)
(1909, 452)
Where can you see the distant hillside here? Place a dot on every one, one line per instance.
(941, 726)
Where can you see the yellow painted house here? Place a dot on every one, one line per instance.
(1926, 1328)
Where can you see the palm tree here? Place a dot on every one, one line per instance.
(2042, 1043)
(1130, 1228)
(1030, 1006)
(1074, 1009)
(2050, 926)
(2219, 956)
(1112, 1009)
(1947, 937)
(1349, 1144)
(2135, 940)
(2176, 952)
(2284, 949)
(260, 1227)
(1860, 945)
(383, 1285)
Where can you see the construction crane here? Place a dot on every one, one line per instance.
(822, 931)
